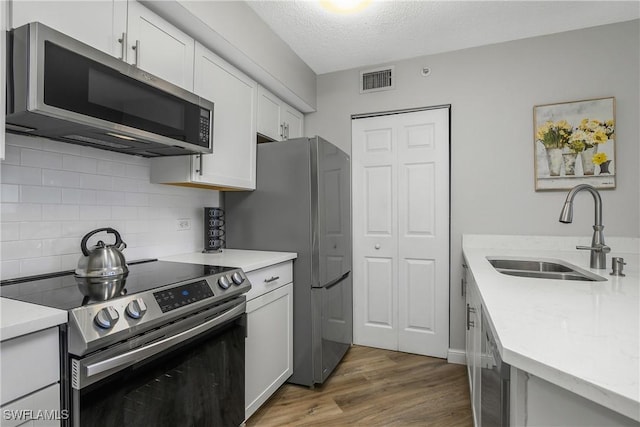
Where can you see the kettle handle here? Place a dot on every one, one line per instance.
(118, 243)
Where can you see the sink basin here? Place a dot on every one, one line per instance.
(542, 269)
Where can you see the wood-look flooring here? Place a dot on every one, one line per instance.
(374, 387)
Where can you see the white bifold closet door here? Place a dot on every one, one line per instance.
(401, 231)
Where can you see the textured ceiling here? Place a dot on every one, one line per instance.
(391, 30)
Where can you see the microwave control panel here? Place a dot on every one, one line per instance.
(205, 126)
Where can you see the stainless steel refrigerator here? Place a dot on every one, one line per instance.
(302, 204)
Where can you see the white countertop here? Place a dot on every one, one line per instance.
(582, 336)
(21, 318)
(244, 259)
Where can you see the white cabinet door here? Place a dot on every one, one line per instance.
(158, 47)
(293, 122)
(276, 119)
(269, 345)
(97, 23)
(233, 162)
(401, 231)
(269, 121)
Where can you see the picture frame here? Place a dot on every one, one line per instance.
(575, 143)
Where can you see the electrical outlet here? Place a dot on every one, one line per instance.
(183, 224)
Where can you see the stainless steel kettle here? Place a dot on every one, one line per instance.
(102, 260)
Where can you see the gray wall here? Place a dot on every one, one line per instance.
(492, 91)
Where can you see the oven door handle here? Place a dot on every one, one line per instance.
(141, 353)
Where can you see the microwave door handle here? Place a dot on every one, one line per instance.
(131, 357)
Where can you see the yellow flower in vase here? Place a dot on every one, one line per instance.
(599, 158)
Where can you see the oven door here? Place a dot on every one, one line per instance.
(189, 373)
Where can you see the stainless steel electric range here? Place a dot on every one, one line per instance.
(162, 345)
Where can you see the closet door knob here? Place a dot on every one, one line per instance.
(377, 246)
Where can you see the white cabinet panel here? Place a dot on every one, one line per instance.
(29, 363)
(45, 402)
(269, 345)
(97, 23)
(232, 165)
(269, 120)
(158, 47)
(276, 119)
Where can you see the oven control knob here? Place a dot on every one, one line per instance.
(136, 308)
(224, 282)
(106, 317)
(237, 278)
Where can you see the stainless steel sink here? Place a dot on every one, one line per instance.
(542, 269)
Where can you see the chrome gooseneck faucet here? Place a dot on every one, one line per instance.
(598, 249)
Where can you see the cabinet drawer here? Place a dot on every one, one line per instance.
(269, 278)
(29, 363)
(43, 406)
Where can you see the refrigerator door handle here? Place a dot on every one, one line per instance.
(338, 280)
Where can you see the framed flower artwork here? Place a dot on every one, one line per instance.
(575, 144)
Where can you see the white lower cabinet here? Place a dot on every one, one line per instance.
(30, 372)
(269, 343)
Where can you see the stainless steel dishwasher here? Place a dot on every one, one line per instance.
(495, 382)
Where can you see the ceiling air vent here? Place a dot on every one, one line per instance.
(376, 80)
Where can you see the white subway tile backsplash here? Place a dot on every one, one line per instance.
(77, 228)
(10, 193)
(40, 265)
(124, 212)
(36, 194)
(60, 212)
(126, 184)
(73, 196)
(10, 269)
(95, 182)
(40, 230)
(55, 193)
(40, 159)
(137, 199)
(137, 171)
(58, 178)
(13, 174)
(11, 155)
(19, 249)
(79, 164)
(95, 212)
(105, 167)
(70, 245)
(10, 212)
(110, 198)
(9, 231)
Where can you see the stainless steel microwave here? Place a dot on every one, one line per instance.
(63, 89)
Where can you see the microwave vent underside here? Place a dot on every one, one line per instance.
(34, 124)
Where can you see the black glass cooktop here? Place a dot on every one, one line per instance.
(64, 291)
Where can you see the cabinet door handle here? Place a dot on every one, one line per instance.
(136, 48)
(286, 130)
(123, 45)
(272, 279)
(470, 323)
(282, 130)
(199, 168)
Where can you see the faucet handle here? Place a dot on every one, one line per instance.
(598, 248)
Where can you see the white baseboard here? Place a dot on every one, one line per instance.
(456, 356)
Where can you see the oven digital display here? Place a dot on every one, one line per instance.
(177, 297)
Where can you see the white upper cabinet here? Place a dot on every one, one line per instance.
(276, 119)
(97, 23)
(233, 162)
(124, 29)
(158, 47)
